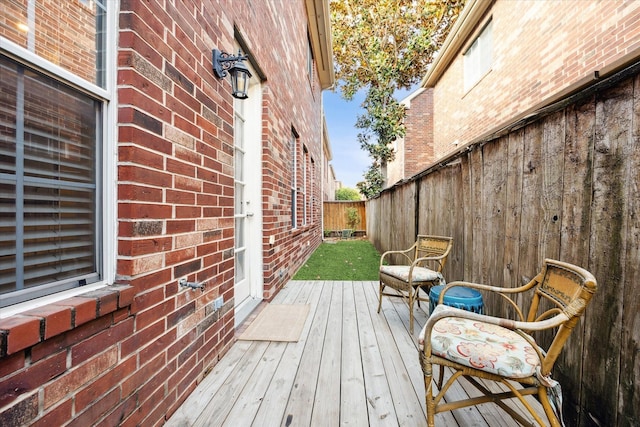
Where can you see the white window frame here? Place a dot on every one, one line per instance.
(478, 58)
(294, 179)
(305, 183)
(106, 251)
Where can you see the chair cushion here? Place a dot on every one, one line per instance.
(420, 274)
(484, 346)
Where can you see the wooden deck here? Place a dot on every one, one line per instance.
(351, 366)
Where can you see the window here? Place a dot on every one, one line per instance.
(75, 43)
(305, 184)
(310, 192)
(310, 59)
(478, 58)
(294, 178)
(51, 146)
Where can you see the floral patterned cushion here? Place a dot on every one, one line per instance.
(484, 346)
(420, 274)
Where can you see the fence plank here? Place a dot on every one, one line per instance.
(612, 133)
(513, 209)
(493, 220)
(629, 391)
(576, 217)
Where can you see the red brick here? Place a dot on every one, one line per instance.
(158, 413)
(22, 332)
(144, 211)
(121, 314)
(126, 293)
(145, 408)
(11, 364)
(56, 319)
(177, 404)
(139, 247)
(74, 379)
(97, 410)
(61, 342)
(181, 255)
(151, 280)
(180, 226)
(101, 342)
(141, 156)
(121, 412)
(31, 378)
(141, 338)
(159, 345)
(84, 309)
(152, 141)
(147, 373)
(185, 375)
(176, 106)
(145, 300)
(134, 41)
(188, 211)
(155, 313)
(107, 301)
(57, 416)
(180, 197)
(181, 372)
(159, 380)
(22, 413)
(139, 193)
(101, 385)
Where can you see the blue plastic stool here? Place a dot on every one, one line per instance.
(458, 297)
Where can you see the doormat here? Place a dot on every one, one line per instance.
(277, 322)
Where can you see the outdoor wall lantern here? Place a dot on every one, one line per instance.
(239, 72)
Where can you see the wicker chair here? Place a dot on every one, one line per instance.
(411, 276)
(477, 346)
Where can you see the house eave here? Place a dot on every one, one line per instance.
(470, 16)
(320, 33)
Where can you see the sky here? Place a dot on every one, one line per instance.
(349, 161)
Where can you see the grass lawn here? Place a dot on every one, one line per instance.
(341, 260)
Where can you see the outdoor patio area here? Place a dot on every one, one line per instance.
(351, 366)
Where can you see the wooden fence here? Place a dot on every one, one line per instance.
(564, 185)
(335, 217)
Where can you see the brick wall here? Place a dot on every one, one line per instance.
(539, 48)
(415, 151)
(131, 354)
(418, 141)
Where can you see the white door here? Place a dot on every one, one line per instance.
(248, 283)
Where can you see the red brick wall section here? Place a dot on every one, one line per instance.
(418, 141)
(539, 48)
(46, 354)
(131, 355)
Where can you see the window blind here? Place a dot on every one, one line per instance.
(48, 184)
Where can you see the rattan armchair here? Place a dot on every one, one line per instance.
(412, 274)
(480, 347)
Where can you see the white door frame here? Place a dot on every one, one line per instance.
(252, 134)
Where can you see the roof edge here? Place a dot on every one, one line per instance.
(320, 33)
(471, 14)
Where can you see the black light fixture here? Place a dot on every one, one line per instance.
(240, 75)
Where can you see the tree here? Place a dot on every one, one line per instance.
(381, 46)
(373, 181)
(346, 193)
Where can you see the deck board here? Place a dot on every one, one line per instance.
(352, 366)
